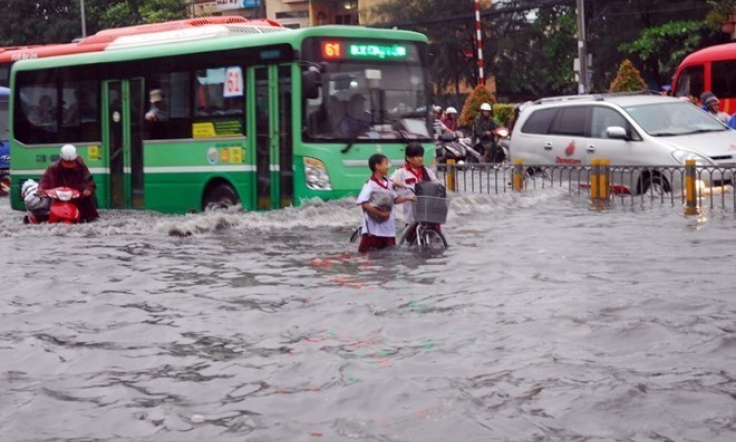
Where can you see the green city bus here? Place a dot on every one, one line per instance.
(261, 116)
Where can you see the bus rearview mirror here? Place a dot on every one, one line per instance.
(311, 81)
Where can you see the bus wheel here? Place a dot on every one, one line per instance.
(221, 197)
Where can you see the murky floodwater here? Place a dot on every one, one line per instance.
(545, 321)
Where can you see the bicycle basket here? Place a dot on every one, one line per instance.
(431, 209)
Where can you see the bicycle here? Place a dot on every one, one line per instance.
(430, 213)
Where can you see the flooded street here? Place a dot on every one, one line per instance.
(544, 321)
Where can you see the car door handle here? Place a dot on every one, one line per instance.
(548, 146)
(590, 148)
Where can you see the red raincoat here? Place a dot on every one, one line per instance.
(78, 178)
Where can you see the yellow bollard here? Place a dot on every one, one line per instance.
(604, 188)
(450, 177)
(691, 190)
(594, 179)
(518, 175)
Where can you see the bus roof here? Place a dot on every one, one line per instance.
(219, 42)
(713, 53)
(100, 40)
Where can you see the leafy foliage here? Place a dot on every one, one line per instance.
(503, 112)
(667, 44)
(627, 79)
(720, 11)
(59, 21)
(613, 23)
(471, 108)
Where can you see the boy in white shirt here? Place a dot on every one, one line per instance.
(379, 225)
(412, 172)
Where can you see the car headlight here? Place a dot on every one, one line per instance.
(683, 155)
(5, 158)
(315, 174)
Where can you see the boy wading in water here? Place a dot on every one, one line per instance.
(377, 198)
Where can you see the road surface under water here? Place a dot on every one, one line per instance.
(545, 321)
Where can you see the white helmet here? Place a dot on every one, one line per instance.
(68, 152)
(485, 107)
(27, 187)
(451, 110)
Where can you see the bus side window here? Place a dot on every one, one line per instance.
(724, 78)
(172, 88)
(220, 100)
(690, 82)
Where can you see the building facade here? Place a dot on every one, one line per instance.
(293, 13)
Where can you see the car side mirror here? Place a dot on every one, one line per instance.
(617, 133)
(311, 82)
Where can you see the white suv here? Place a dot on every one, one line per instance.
(629, 130)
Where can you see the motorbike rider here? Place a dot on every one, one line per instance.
(437, 125)
(70, 171)
(450, 119)
(37, 208)
(483, 137)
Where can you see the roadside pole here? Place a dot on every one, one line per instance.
(582, 49)
(479, 44)
(84, 19)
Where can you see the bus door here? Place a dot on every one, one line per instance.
(274, 134)
(122, 136)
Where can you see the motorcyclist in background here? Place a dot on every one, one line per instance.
(70, 171)
(484, 140)
(450, 119)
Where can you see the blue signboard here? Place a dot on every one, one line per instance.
(251, 3)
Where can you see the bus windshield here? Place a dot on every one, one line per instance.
(361, 101)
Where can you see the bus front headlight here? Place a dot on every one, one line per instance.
(315, 174)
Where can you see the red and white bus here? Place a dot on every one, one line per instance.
(710, 69)
(99, 41)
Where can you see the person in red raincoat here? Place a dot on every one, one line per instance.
(70, 171)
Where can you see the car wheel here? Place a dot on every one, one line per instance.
(220, 198)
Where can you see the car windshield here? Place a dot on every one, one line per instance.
(673, 119)
(369, 102)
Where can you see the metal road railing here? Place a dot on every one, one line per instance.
(711, 187)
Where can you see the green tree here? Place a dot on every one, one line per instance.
(531, 57)
(663, 47)
(627, 79)
(471, 108)
(59, 21)
(611, 24)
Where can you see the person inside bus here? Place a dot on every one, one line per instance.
(158, 111)
(70, 171)
(44, 114)
(81, 110)
(357, 119)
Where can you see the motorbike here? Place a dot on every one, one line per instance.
(62, 208)
(456, 147)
